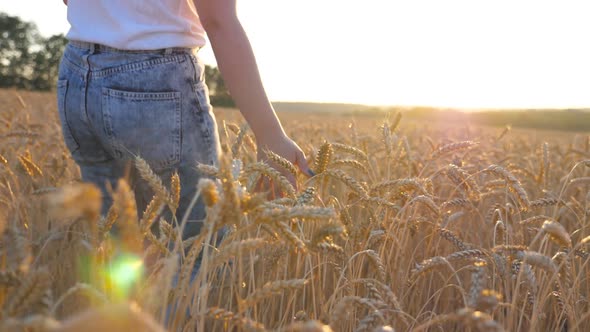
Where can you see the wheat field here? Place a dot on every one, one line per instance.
(404, 227)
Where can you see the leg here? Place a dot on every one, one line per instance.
(96, 164)
(104, 175)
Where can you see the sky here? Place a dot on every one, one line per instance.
(452, 53)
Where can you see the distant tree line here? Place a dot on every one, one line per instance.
(217, 90)
(27, 60)
(30, 61)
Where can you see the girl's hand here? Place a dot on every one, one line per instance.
(288, 149)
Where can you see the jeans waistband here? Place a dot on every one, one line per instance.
(103, 48)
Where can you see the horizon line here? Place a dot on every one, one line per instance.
(444, 107)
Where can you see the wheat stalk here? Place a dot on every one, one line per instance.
(10, 278)
(428, 265)
(455, 202)
(208, 170)
(377, 263)
(544, 202)
(235, 149)
(295, 212)
(500, 233)
(79, 288)
(452, 147)
(480, 320)
(235, 319)
(149, 214)
(539, 260)
(154, 181)
(326, 247)
(307, 196)
(353, 164)
(466, 255)
(323, 158)
(453, 238)
(557, 233)
(235, 249)
(273, 288)
(230, 207)
(534, 219)
(488, 300)
(358, 153)
(188, 266)
(345, 304)
(328, 231)
(124, 203)
(510, 249)
(28, 294)
(290, 236)
(208, 191)
(530, 282)
(276, 176)
(372, 319)
(348, 180)
(400, 185)
(478, 282)
(175, 192)
(513, 183)
(426, 201)
(30, 167)
(282, 162)
(463, 179)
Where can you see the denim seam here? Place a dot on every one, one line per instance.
(192, 60)
(73, 66)
(208, 134)
(204, 118)
(178, 138)
(108, 123)
(63, 86)
(137, 66)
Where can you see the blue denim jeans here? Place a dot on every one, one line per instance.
(115, 105)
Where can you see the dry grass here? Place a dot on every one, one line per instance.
(404, 227)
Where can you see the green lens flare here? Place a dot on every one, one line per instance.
(125, 271)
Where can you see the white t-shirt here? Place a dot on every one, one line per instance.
(136, 24)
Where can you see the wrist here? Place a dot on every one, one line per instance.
(267, 134)
(266, 126)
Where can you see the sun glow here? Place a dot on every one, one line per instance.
(456, 53)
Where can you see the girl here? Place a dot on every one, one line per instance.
(130, 83)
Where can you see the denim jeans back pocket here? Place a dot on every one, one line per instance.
(62, 92)
(145, 124)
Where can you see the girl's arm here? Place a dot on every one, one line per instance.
(240, 72)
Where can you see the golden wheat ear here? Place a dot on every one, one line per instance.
(323, 158)
(282, 162)
(29, 294)
(154, 181)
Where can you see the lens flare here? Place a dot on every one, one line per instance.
(125, 271)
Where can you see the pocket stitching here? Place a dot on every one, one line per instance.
(173, 96)
(130, 67)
